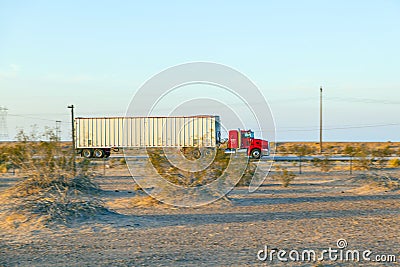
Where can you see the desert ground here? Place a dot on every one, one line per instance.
(312, 213)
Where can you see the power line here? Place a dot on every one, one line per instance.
(38, 114)
(305, 129)
(287, 129)
(270, 101)
(35, 118)
(343, 128)
(364, 100)
(364, 126)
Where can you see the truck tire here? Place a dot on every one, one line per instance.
(98, 153)
(256, 153)
(196, 153)
(87, 153)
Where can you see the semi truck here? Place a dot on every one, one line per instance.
(97, 137)
(244, 139)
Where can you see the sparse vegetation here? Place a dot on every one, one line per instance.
(302, 151)
(325, 164)
(284, 175)
(186, 178)
(143, 201)
(351, 152)
(280, 148)
(363, 161)
(382, 180)
(50, 189)
(360, 152)
(5, 163)
(141, 214)
(394, 163)
(381, 155)
(248, 174)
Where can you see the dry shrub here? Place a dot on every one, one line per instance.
(394, 163)
(248, 174)
(363, 163)
(52, 189)
(325, 164)
(112, 163)
(137, 187)
(302, 151)
(381, 155)
(3, 168)
(360, 154)
(192, 179)
(185, 178)
(383, 180)
(143, 201)
(5, 163)
(283, 175)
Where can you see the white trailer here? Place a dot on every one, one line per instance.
(96, 137)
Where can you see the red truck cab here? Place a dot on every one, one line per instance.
(244, 139)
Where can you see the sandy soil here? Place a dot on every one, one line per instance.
(314, 212)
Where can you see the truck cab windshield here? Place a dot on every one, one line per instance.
(248, 134)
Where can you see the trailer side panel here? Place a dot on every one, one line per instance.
(118, 132)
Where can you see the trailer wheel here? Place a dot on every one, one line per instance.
(256, 153)
(196, 153)
(86, 153)
(98, 153)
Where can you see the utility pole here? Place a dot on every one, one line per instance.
(73, 139)
(320, 120)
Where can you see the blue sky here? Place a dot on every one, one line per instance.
(96, 54)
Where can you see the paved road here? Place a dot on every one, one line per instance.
(284, 158)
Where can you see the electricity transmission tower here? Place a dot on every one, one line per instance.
(3, 124)
(58, 130)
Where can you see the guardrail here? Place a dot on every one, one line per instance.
(331, 158)
(295, 158)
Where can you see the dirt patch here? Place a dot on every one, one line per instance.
(313, 212)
